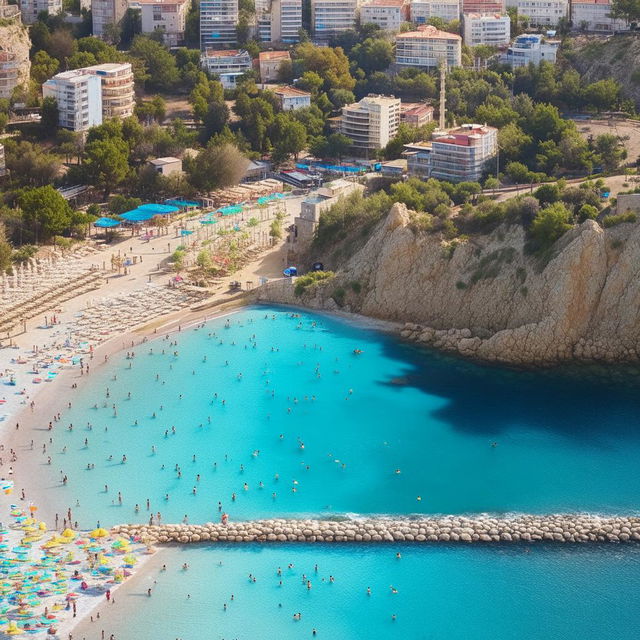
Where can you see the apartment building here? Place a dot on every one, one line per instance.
(30, 9)
(291, 98)
(428, 47)
(491, 29)
(543, 13)
(168, 16)
(226, 61)
(79, 98)
(218, 20)
(422, 10)
(531, 47)
(387, 14)
(461, 154)
(105, 13)
(9, 11)
(595, 16)
(329, 17)
(118, 98)
(483, 6)
(269, 63)
(415, 114)
(9, 73)
(279, 20)
(372, 122)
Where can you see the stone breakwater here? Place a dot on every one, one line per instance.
(524, 528)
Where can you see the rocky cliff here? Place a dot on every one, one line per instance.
(14, 41)
(485, 298)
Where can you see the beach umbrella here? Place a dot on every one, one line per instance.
(99, 533)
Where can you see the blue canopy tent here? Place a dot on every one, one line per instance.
(106, 223)
(156, 209)
(230, 210)
(136, 215)
(177, 202)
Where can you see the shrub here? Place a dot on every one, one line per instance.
(587, 212)
(461, 285)
(356, 287)
(550, 224)
(311, 279)
(612, 221)
(338, 296)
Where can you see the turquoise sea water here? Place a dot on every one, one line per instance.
(394, 430)
(563, 444)
(443, 593)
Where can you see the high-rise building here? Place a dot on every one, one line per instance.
(31, 9)
(168, 16)
(544, 13)
(595, 15)
(492, 29)
(79, 98)
(279, 20)
(428, 47)
(218, 20)
(387, 14)
(461, 154)
(105, 13)
(330, 17)
(118, 99)
(372, 122)
(422, 10)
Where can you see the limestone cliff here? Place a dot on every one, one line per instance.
(15, 42)
(486, 298)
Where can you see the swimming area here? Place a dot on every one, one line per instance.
(281, 415)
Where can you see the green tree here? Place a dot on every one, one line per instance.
(120, 204)
(216, 167)
(5, 250)
(610, 151)
(518, 173)
(45, 212)
(587, 212)
(49, 115)
(43, 67)
(311, 82)
(513, 142)
(288, 137)
(107, 164)
(131, 26)
(602, 95)
(338, 145)
(550, 224)
(373, 54)
(628, 10)
(160, 64)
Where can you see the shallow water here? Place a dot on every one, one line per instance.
(443, 592)
(563, 444)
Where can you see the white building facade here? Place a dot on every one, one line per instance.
(543, 13)
(422, 10)
(79, 98)
(329, 17)
(30, 9)
(372, 122)
(387, 14)
(291, 98)
(118, 97)
(531, 47)
(226, 61)
(490, 29)
(595, 16)
(218, 20)
(105, 13)
(168, 16)
(428, 47)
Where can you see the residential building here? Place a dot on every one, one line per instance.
(269, 63)
(461, 154)
(12, 72)
(483, 6)
(492, 29)
(3, 164)
(428, 47)
(387, 14)
(9, 11)
(372, 122)
(329, 17)
(291, 98)
(531, 47)
(218, 20)
(168, 16)
(415, 114)
(105, 13)
(422, 10)
(545, 13)
(167, 166)
(30, 9)
(79, 98)
(118, 98)
(279, 20)
(594, 15)
(226, 61)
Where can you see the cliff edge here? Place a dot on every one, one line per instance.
(486, 298)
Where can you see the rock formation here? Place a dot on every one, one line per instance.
(486, 298)
(14, 53)
(524, 528)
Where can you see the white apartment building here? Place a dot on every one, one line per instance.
(594, 15)
(422, 10)
(542, 12)
(79, 98)
(218, 20)
(106, 12)
(490, 29)
(531, 47)
(30, 9)
(269, 63)
(118, 98)
(329, 17)
(279, 20)
(461, 154)
(387, 14)
(291, 98)
(168, 16)
(372, 122)
(226, 61)
(428, 47)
